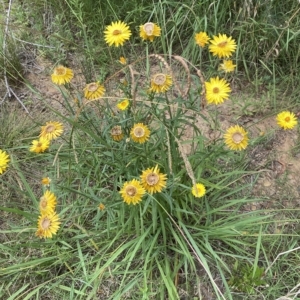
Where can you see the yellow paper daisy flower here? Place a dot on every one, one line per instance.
(47, 202)
(217, 90)
(222, 46)
(39, 146)
(132, 192)
(149, 31)
(116, 133)
(123, 105)
(51, 130)
(153, 181)
(202, 39)
(160, 83)
(123, 60)
(117, 33)
(4, 160)
(101, 206)
(236, 138)
(61, 75)
(140, 133)
(227, 66)
(286, 120)
(48, 225)
(198, 190)
(46, 181)
(94, 91)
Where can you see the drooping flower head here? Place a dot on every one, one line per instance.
(286, 120)
(132, 192)
(51, 130)
(101, 206)
(149, 31)
(123, 105)
(236, 138)
(116, 133)
(198, 190)
(61, 75)
(160, 83)
(153, 181)
(217, 90)
(222, 46)
(227, 66)
(4, 160)
(40, 145)
(46, 181)
(48, 225)
(202, 39)
(123, 60)
(117, 33)
(140, 133)
(47, 202)
(94, 91)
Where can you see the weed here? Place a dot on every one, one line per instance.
(124, 176)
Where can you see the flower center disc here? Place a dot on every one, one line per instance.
(287, 119)
(149, 28)
(159, 79)
(216, 90)
(131, 191)
(152, 179)
(139, 132)
(46, 223)
(117, 32)
(116, 130)
(222, 44)
(50, 128)
(92, 87)
(60, 71)
(43, 202)
(39, 144)
(237, 137)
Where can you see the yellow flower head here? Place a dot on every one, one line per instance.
(149, 31)
(47, 202)
(201, 39)
(222, 46)
(101, 206)
(39, 146)
(140, 133)
(46, 181)
(217, 90)
(236, 138)
(61, 75)
(123, 105)
(227, 66)
(48, 225)
(117, 33)
(160, 83)
(153, 181)
(286, 120)
(94, 91)
(124, 82)
(51, 130)
(4, 160)
(132, 192)
(116, 133)
(198, 190)
(123, 60)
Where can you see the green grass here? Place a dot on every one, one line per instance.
(171, 245)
